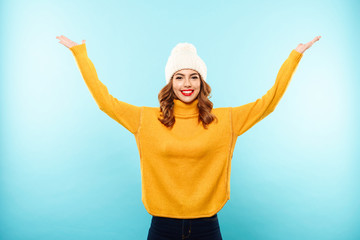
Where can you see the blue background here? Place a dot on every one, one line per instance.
(68, 171)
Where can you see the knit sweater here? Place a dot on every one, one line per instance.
(185, 171)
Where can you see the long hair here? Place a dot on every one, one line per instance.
(166, 98)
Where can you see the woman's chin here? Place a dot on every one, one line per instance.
(187, 100)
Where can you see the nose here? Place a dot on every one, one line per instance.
(187, 83)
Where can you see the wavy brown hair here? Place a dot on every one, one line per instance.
(166, 98)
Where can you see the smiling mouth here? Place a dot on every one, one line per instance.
(187, 92)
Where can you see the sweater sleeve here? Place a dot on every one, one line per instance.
(246, 116)
(126, 114)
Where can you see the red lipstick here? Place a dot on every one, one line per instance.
(187, 92)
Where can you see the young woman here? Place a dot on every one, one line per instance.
(185, 145)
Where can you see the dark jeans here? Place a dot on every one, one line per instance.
(163, 228)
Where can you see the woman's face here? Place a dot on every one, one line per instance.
(186, 85)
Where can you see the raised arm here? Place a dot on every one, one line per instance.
(246, 116)
(126, 114)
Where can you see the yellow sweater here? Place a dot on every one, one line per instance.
(185, 171)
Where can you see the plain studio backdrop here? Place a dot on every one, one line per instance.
(68, 171)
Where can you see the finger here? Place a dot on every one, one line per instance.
(313, 41)
(66, 38)
(61, 38)
(316, 39)
(309, 44)
(64, 43)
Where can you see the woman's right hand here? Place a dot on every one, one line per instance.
(67, 42)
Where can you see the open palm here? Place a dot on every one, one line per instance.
(301, 48)
(67, 42)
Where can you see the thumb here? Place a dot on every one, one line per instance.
(83, 41)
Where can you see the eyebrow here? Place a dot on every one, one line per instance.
(184, 75)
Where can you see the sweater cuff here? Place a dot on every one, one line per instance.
(296, 55)
(79, 49)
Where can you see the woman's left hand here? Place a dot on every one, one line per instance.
(301, 48)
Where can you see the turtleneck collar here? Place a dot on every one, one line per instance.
(186, 110)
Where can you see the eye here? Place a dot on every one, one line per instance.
(195, 77)
(178, 77)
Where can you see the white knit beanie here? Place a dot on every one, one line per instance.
(184, 55)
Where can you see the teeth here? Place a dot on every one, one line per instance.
(187, 91)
